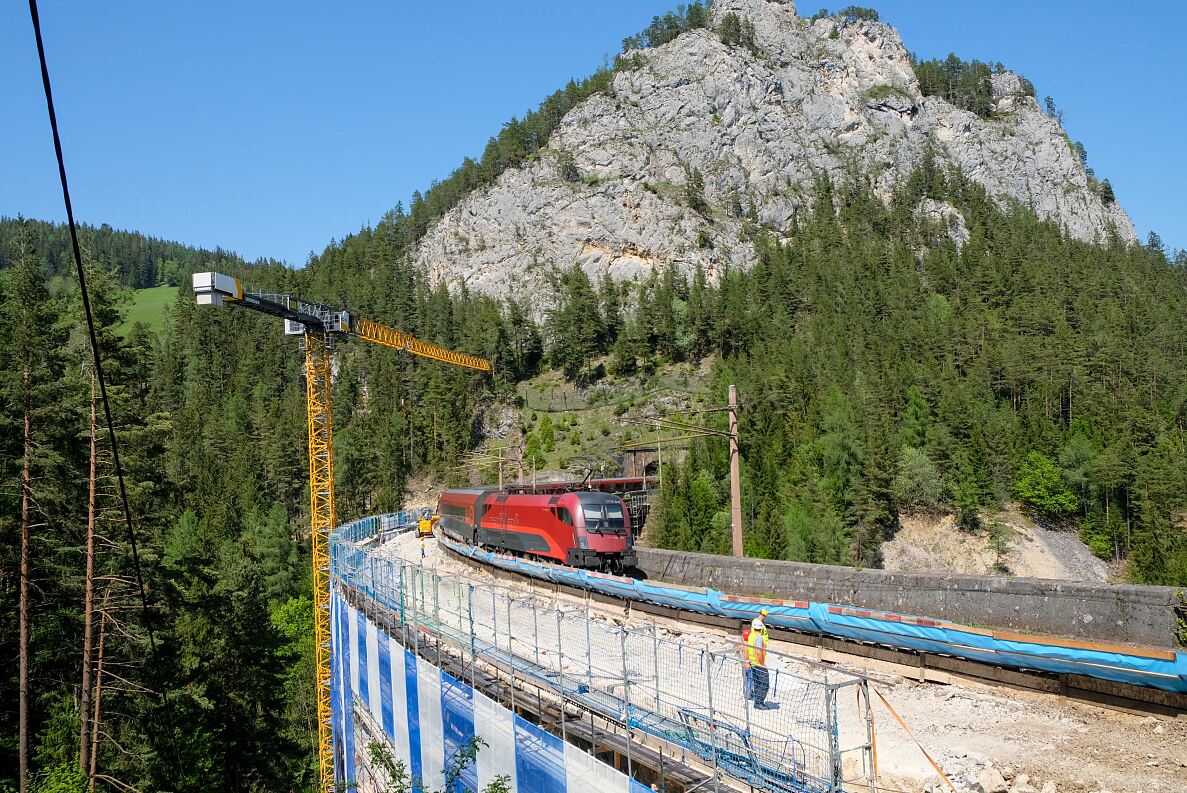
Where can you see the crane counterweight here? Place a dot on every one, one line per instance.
(212, 289)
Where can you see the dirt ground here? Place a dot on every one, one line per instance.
(984, 739)
(1009, 544)
(1074, 747)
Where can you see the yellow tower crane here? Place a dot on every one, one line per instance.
(319, 324)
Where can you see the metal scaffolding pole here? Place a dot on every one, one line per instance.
(834, 749)
(403, 613)
(655, 659)
(473, 645)
(560, 670)
(437, 616)
(626, 702)
(708, 656)
(535, 632)
(588, 645)
(511, 655)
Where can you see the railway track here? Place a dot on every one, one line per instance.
(921, 666)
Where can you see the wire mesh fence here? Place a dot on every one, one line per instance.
(813, 734)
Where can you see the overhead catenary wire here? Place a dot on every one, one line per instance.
(678, 425)
(95, 353)
(664, 423)
(675, 426)
(659, 440)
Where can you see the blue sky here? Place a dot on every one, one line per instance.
(271, 127)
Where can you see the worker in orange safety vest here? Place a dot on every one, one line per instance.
(754, 663)
(747, 673)
(759, 624)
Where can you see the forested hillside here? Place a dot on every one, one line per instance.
(137, 261)
(211, 419)
(882, 369)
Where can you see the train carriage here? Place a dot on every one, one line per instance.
(587, 529)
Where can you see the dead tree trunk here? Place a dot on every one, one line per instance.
(94, 758)
(23, 608)
(84, 732)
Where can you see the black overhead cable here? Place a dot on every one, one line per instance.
(86, 303)
(115, 449)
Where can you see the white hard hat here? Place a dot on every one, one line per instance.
(757, 622)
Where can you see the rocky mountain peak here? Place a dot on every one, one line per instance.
(699, 137)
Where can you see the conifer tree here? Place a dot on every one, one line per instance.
(575, 326)
(31, 389)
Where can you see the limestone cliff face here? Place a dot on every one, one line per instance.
(759, 128)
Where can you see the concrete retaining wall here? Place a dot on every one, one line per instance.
(1105, 612)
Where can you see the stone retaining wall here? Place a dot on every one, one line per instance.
(1104, 612)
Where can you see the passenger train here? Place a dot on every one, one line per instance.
(589, 529)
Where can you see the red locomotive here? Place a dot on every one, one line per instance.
(580, 529)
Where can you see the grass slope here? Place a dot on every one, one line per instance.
(148, 306)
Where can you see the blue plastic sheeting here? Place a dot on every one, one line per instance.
(336, 680)
(433, 715)
(1168, 674)
(457, 721)
(415, 768)
(364, 677)
(539, 759)
(385, 686)
(344, 737)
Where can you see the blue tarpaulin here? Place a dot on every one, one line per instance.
(1165, 670)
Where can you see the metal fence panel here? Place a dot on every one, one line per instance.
(691, 695)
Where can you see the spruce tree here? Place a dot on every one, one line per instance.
(32, 391)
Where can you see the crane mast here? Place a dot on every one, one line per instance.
(318, 325)
(322, 520)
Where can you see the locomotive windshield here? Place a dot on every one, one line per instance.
(604, 518)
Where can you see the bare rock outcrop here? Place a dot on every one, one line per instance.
(703, 139)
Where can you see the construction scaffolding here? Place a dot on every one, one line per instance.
(687, 695)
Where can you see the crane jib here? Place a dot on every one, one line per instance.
(301, 316)
(398, 339)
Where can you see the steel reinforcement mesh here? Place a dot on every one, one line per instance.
(816, 738)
